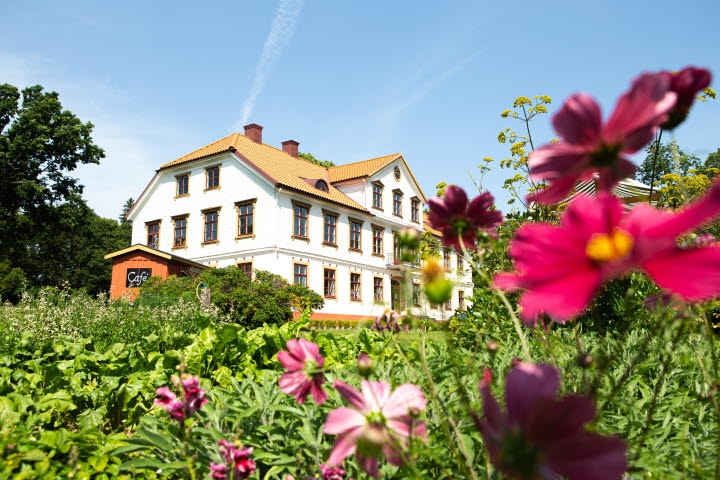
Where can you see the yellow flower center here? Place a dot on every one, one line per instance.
(606, 248)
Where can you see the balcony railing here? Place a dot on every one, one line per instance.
(392, 261)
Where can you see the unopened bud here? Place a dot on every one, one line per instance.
(585, 360)
(492, 347)
(372, 439)
(364, 364)
(439, 290)
(408, 238)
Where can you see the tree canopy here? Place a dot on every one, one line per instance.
(48, 235)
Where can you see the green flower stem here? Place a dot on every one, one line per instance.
(501, 294)
(658, 385)
(439, 405)
(434, 395)
(654, 165)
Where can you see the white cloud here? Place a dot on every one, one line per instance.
(281, 31)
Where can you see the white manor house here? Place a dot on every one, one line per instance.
(238, 201)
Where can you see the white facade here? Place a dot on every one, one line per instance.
(273, 245)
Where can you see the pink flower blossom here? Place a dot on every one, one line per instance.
(456, 219)
(238, 464)
(562, 266)
(686, 83)
(180, 409)
(379, 424)
(330, 473)
(542, 436)
(589, 147)
(304, 364)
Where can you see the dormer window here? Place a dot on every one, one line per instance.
(321, 185)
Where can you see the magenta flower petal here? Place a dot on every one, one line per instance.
(303, 363)
(589, 148)
(383, 421)
(541, 436)
(350, 394)
(343, 419)
(406, 398)
(525, 385)
(694, 274)
(166, 395)
(579, 121)
(344, 446)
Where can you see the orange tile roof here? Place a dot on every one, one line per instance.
(274, 164)
(427, 226)
(360, 169)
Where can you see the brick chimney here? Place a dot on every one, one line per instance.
(254, 131)
(291, 147)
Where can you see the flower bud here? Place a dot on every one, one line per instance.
(439, 291)
(492, 347)
(408, 238)
(372, 439)
(364, 365)
(585, 360)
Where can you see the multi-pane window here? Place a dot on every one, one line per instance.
(211, 226)
(377, 236)
(153, 235)
(300, 221)
(377, 195)
(300, 274)
(330, 230)
(183, 185)
(416, 294)
(180, 232)
(397, 203)
(446, 259)
(355, 235)
(461, 300)
(378, 289)
(448, 305)
(460, 264)
(354, 286)
(415, 210)
(212, 177)
(246, 267)
(246, 212)
(329, 284)
(396, 248)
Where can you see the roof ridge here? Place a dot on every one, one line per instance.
(205, 146)
(278, 149)
(368, 160)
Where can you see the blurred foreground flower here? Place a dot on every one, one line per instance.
(330, 473)
(589, 147)
(543, 437)
(561, 267)
(193, 398)
(377, 426)
(238, 464)
(390, 320)
(304, 364)
(686, 83)
(456, 219)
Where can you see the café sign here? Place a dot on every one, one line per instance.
(137, 276)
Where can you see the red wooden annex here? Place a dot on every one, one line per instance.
(133, 265)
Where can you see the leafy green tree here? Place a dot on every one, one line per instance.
(125, 210)
(663, 163)
(311, 158)
(40, 143)
(267, 298)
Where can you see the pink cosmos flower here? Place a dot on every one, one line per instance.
(330, 473)
(180, 409)
(238, 464)
(304, 364)
(562, 266)
(379, 424)
(686, 83)
(456, 219)
(542, 436)
(589, 147)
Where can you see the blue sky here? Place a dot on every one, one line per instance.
(349, 80)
